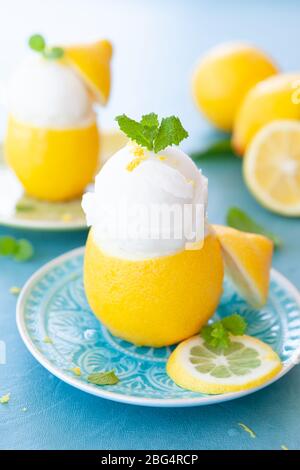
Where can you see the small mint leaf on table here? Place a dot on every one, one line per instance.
(24, 250)
(37, 42)
(103, 378)
(8, 246)
(240, 220)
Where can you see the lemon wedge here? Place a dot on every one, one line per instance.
(247, 258)
(246, 363)
(271, 167)
(92, 62)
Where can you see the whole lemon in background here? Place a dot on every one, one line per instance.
(156, 301)
(224, 76)
(272, 99)
(52, 164)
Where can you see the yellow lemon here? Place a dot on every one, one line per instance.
(92, 61)
(271, 167)
(52, 164)
(158, 301)
(272, 99)
(247, 363)
(247, 258)
(224, 76)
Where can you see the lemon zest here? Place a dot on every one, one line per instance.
(138, 151)
(5, 399)
(134, 163)
(47, 340)
(67, 217)
(76, 371)
(162, 158)
(15, 290)
(248, 430)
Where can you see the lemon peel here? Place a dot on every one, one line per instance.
(248, 430)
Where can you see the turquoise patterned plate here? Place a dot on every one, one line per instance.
(61, 332)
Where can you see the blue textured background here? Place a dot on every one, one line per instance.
(156, 44)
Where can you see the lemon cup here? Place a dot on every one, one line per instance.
(52, 164)
(155, 301)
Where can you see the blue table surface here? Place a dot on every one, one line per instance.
(60, 417)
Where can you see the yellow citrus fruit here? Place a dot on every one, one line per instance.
(272, 99)
(247, 363)
(112, 140)
(271, 167)
(52, 164)
(158, 301)
(92, 61)
(247, 258)
(224, 76)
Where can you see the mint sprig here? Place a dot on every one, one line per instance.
(19, 250)
(38, 44)
(240, 220)
(217, 335)
(152, 134)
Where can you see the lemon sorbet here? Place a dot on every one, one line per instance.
(152, 292)
(52, 139)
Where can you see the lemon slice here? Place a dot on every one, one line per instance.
(247, 258)
(92, 62)
(271, 167)
(247, 363)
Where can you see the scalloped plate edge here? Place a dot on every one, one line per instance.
(99, 392)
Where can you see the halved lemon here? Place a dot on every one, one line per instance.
(271, 167)
(247, 363)
(247, 258)
(92, 61)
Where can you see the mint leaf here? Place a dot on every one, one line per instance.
(240, 220)
(24, 250)
(170, 132)
(8, 246)
(53, 53)
(216, 335)
(235, 324)
(135, 131)
(103, 378)
(216, 148)
(37, 43)
(148, 133)
(150, 120)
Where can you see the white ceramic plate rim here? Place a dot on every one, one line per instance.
(110, 395)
